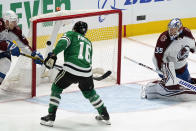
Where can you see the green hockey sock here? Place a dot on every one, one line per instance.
(94, 99)
(54, 98)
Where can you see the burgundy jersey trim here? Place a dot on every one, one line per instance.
(18, 32)
(2, 25)
(3, 45)
(162, 43)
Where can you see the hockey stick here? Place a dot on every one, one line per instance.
(180, 81)
(58, 67)
(32, 57)
(37, 58)
(99, 78)
(105, 75)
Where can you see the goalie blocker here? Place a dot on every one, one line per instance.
(168, 87)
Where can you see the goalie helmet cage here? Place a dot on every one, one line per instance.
(66, 17)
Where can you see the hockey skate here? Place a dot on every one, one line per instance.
(104, 117)
(48, 120)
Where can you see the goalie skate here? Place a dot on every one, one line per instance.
(101, 118)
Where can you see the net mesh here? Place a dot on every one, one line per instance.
(104, 37)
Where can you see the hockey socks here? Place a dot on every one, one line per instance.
(98, 104)
(54, 99)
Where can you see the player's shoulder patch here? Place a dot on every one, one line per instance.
(163, 38)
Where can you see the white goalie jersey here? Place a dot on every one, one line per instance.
(176, 50)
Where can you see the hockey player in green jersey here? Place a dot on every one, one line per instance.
(77, 69)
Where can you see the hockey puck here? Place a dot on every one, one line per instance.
(48, 43)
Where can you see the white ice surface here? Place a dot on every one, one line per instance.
(20, 115)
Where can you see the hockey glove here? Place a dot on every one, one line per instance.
(39, 55)
(50, 61)
(15, 51)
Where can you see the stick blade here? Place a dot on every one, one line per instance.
(105, 75)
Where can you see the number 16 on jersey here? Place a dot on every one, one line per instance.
(85, 55)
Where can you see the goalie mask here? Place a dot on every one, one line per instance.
(175, 28)
(11, 19)
(80, 27)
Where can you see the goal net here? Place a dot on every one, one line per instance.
(104, 31)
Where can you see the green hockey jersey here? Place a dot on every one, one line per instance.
(77, 53)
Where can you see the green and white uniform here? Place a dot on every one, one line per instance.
(77, 53)
(77, 69)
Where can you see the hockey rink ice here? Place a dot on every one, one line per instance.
(127, 110)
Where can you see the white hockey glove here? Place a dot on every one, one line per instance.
(169, 74)
(50, 61)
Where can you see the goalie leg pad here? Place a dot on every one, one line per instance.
(157, 90)
(169, 75)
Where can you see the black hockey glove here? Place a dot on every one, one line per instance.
(50, 61)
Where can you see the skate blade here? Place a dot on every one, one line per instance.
(48, 123)
(107, 122)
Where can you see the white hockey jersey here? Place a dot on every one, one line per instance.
(176, 51)
(13, 35)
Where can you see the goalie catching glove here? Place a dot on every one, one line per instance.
(39, 56)
(50, 61)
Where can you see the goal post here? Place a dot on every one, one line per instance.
(66, 17)
(34, 37)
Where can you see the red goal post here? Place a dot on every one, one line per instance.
(66, 17)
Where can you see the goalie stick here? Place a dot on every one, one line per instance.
(179, 81)
(58, 67)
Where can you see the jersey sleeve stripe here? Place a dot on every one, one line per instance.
(78, 67)
(67, 39)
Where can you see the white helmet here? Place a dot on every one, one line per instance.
(175, 28)
(10, 16)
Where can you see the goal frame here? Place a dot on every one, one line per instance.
(97, 13)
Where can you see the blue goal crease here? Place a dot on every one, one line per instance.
(118, 98)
